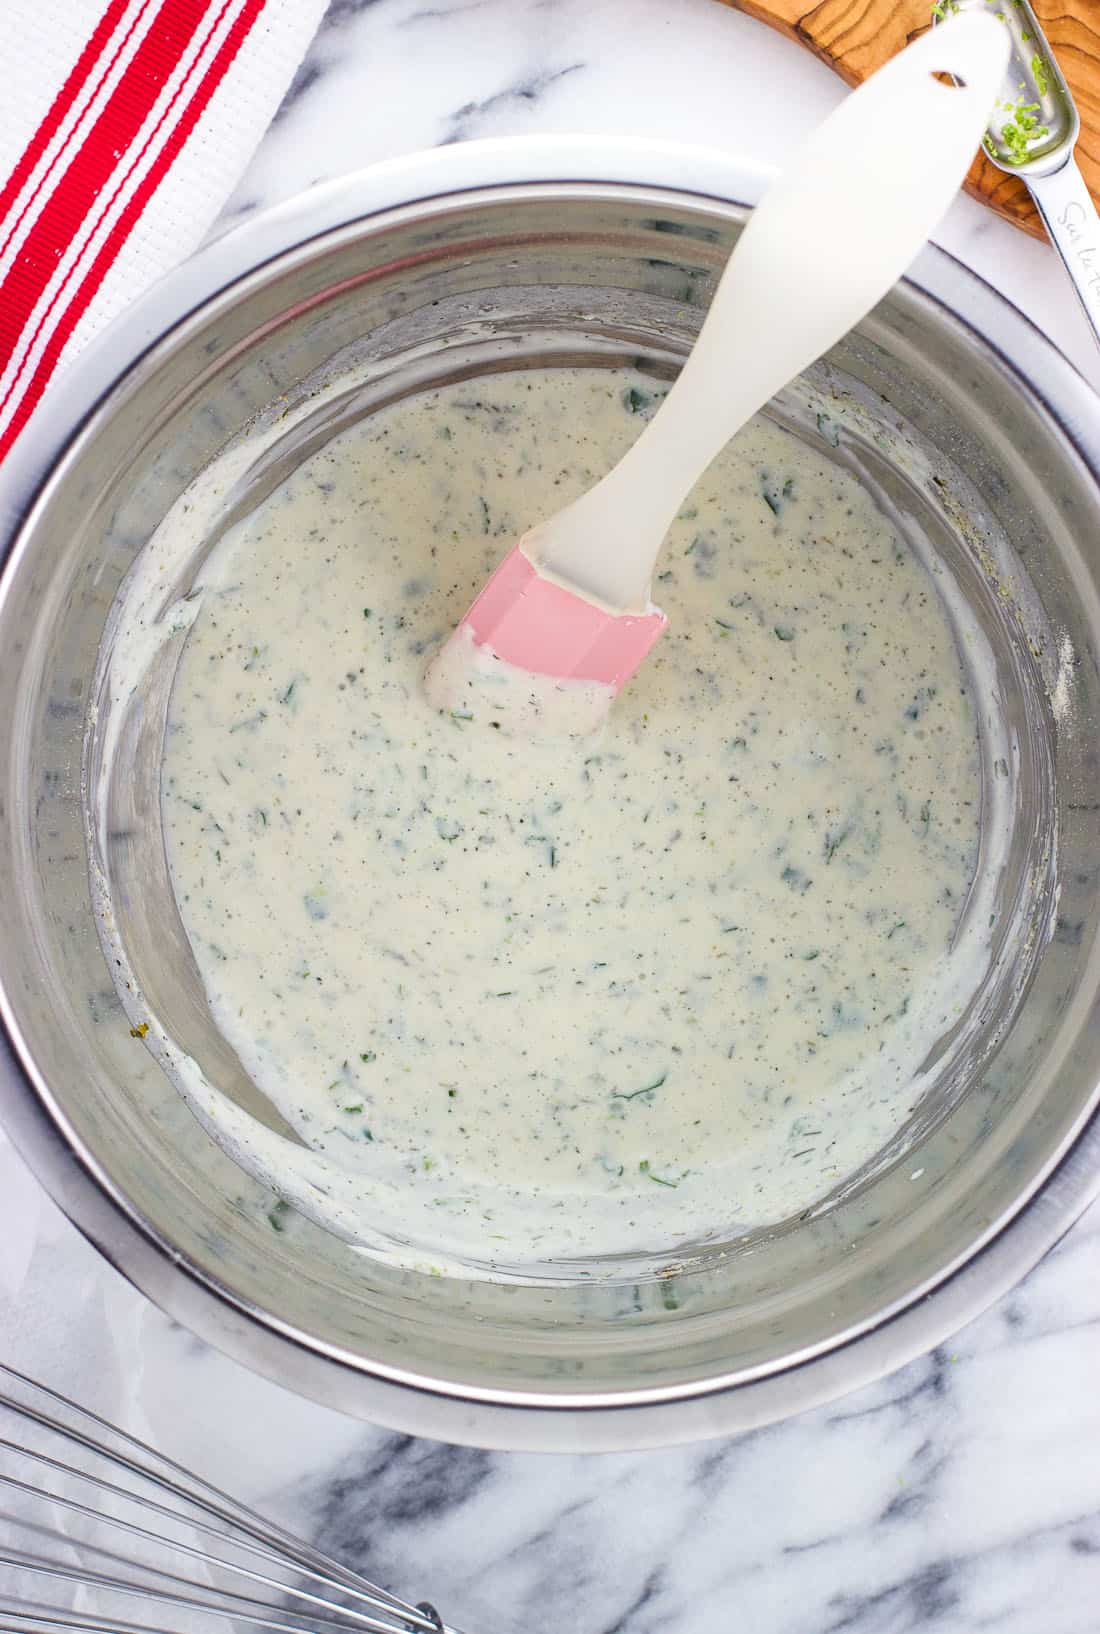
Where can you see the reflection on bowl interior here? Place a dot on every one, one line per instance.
(524, 276)
(162, 987)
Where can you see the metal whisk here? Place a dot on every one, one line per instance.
(97, 1530)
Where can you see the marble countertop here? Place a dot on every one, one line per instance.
(960, 1494)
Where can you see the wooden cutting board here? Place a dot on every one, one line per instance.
(857, 36)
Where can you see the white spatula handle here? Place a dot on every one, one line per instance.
(828, 241)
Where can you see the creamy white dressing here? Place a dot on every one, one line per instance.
(526, 1000)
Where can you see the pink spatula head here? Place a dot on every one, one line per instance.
(566, 619)
(533, 653)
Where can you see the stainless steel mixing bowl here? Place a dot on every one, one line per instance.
(964, 420)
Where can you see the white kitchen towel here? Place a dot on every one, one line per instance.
(124, 126)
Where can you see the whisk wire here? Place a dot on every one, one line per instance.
(234, 1607)
(230, 1603)
(267, 1537)
(297, 1577)
(33, 1622)
(206, 1556)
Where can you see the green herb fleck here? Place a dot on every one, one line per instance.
(647, 1089)
(834, 840)
(251, 723)
(277, 1216)
(645, 1169)
(775, 498)
(828, 429)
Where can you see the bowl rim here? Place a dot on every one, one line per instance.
(488, 1417)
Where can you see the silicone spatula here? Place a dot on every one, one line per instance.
(566, 618)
